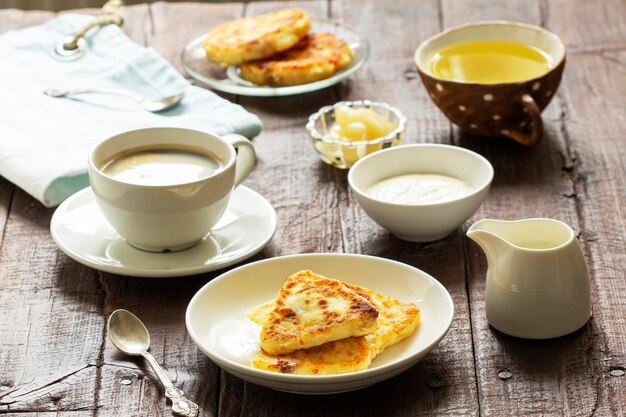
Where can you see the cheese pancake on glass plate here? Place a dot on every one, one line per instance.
(256, 37)
(314, 58)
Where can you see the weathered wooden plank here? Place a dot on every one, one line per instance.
(69, 390)
(16, 19)
(556, 377)
(174, 25)
(9, 20)
(595, 24)
(28, 296)
(287, 163)
(395, 29)
(126, 386)
(595, 86)
(576, 174)
(453, 13)
(13, 19)
(300, 183)
(444, 382)
(81, 413)
(136, 21)
(50, 306)
(6, 194)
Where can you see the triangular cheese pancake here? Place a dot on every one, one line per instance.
(338, 357)
(311, 310)
(260, 314)
(397, 320)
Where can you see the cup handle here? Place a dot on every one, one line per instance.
(246, 156)
(534, 136)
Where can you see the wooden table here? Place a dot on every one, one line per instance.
(54, 310)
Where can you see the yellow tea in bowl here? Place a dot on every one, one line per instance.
(493, 78)
(489, 62)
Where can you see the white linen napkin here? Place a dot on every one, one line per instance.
(45, 141)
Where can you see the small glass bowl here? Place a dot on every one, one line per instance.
(344, 154)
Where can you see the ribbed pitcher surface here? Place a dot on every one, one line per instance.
(537, 279)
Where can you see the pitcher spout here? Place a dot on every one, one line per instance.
(486, 234)
(527, 234)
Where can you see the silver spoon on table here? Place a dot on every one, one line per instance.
(130, 336)
(150, 105)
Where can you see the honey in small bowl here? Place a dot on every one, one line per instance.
(358, 124)
(347, 131)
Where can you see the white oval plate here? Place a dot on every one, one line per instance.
(79, 228)
(228, 80)
(230, 295)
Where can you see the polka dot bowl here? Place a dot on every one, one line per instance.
(511, 109)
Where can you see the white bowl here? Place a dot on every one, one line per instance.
(421, 222)
(230, 295)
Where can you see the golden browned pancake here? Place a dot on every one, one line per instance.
(338, 357)
(311, 310)
(256, 37)
(397, 320)
(314, 58)
(260, 314)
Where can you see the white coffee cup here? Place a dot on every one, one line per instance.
(157, 218)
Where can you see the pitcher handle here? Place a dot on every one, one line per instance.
(534, 136)
(246, 156)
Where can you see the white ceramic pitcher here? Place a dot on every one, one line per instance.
(537, 280)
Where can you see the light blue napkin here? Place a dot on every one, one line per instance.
(45, 141)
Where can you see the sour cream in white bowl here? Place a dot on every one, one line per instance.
(421, 192)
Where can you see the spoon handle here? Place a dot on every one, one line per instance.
(180, 405)
(57, 92)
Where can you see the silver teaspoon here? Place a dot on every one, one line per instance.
(150, 105)
(130, 336)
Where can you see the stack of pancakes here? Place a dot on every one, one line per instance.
(322, 326)
(277, 49)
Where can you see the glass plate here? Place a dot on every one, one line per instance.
(228, 80)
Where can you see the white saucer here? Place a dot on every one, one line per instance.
(81, 231)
